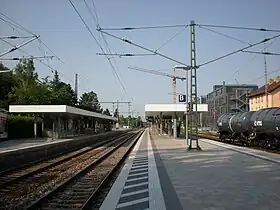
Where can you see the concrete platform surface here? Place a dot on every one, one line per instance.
(219, 178)
(161, 174)
(20, 144)
(274, 157)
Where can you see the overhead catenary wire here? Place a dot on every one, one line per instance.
(224, 35)
(11, 23)
(95, 11)
(208, 62)
(32, 57)
(240, 50)
(172, 38)
(126, 54)
(144, 27)
(15, 26)
(18, 46)
(269, 73)
(254, 57)
(38, 59)
(263, 53)
(239, 28)
(107, 47)
(114, 70)
(96, 21)
(17, 37)
(144, 48)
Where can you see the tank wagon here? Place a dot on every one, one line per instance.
(260, 128)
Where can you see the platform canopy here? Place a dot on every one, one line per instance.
(152, 110)
(57, 109)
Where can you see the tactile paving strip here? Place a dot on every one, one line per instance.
(135, 194)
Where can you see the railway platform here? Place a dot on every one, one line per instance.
(14, 153)
(22, 144)
(161, 174)
(18, 144)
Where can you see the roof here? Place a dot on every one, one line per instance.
(167, 109)
(241, 86)
(261, 91)
(57, 109)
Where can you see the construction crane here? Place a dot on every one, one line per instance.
(173, 77)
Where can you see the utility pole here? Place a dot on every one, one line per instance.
(174, 86)
(266, 82)
(193, 101)
(76, 86)
(128, 114)
(116, 102)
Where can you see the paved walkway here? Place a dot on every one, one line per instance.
(138, 186)
(217, 178)
(21, 143)
(161, 174)
(17, 144)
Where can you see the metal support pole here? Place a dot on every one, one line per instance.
(187, 97)
(193, 101)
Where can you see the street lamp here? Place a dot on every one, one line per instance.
(186, 68)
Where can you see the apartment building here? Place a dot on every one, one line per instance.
(258, 99)
(227, 98)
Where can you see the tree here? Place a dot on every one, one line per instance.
(90, 102)
(6, 84)
(62, 93)
(107, 112)
(116, 113)
(27, 90)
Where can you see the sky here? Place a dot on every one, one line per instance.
(61, 29)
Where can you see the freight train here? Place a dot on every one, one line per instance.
(254, 128)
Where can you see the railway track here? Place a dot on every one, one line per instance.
(12, 175)
(20, 188)
(79, 191)
(213, 136)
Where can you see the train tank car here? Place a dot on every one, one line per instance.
(240, 127)
(265, 126)
(223, 126)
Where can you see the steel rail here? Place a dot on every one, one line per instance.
(60, 187)
(11, 178)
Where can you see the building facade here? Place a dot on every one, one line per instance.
(227, 99)
(258, 99)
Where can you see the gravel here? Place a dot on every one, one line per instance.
(20, 194)
(78, 192)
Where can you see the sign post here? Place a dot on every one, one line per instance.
(183, 99)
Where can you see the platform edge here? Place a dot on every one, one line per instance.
(112, 198)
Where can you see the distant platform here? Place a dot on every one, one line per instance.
(152, 110)
(57, 109)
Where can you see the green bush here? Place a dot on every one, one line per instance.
(20, 127)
